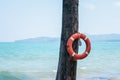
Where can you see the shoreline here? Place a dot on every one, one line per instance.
(51, 76)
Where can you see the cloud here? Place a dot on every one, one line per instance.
(117, 4)
(89, 6)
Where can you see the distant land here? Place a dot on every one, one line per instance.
(104, 37)
(39, 39)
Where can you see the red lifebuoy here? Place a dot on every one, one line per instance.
(70, 43)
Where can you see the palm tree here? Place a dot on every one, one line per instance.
(67, 66)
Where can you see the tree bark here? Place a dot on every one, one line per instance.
(67, 66)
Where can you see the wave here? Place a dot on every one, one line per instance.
(102, 78)
(6, 75)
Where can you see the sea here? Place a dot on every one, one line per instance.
(39, 61)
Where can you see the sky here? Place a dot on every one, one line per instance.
(22, 19)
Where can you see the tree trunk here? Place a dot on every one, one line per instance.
(67, 66)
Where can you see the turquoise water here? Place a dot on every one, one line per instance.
(39, 61)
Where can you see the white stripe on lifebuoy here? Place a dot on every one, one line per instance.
(73, 54)
(85, 38)
(86, 52)
(72, 38)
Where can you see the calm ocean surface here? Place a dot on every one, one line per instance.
(39, 61)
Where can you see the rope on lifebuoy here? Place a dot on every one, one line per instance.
(70, 50)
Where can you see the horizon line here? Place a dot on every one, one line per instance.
(2, 41)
